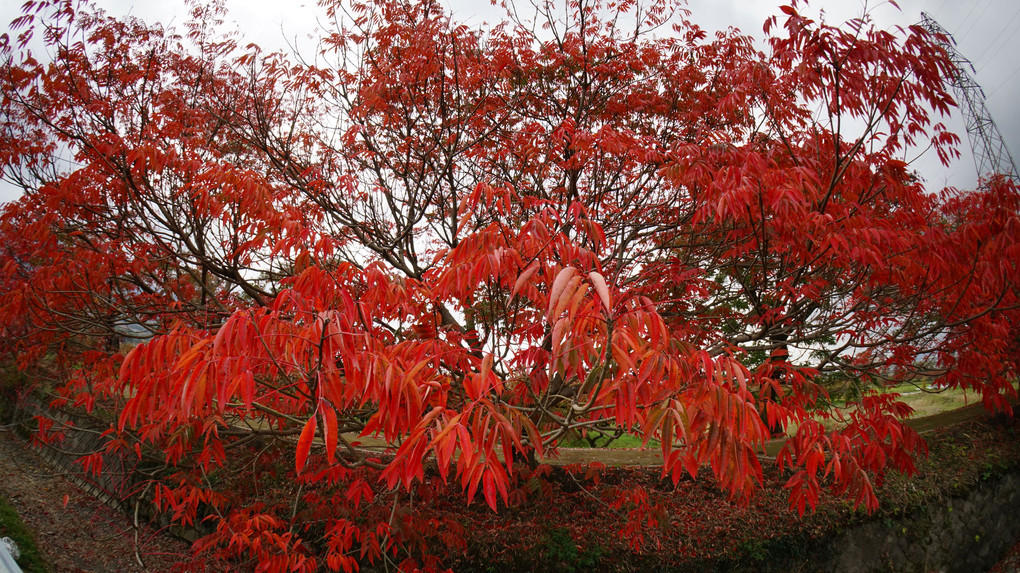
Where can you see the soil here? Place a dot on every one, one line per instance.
(85, 535)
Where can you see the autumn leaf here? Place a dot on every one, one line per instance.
(304, 445)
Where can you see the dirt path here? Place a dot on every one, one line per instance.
(86, 536)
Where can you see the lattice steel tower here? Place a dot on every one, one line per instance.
(991, 156)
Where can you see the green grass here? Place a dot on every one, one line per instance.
(924, 400)
(927, 403)
(626, 441)
(31, 560)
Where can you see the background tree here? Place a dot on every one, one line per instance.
(471, 243)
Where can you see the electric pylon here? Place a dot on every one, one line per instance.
(991, 156)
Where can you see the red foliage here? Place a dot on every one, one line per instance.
(468, 246)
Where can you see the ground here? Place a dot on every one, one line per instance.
(85, 536)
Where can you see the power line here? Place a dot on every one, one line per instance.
(1004, 43)
(1004, 82)
(993, 43)
(978, 19)
(940, 8)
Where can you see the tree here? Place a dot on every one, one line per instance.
(471, 243)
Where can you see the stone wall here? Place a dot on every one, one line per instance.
(955, 535)
(116, 486)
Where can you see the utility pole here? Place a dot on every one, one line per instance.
(991, 156)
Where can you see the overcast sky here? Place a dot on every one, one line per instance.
(986, 32)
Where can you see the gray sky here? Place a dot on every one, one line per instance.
(987, 33)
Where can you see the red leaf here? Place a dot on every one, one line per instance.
(329, 429)
(489, 489)
(603, 291)
(558, 286)
(304, 444)
(523, 278)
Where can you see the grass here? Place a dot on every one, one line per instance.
(927, 403)
(924, 400)
(625, 441)
(31, 560)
